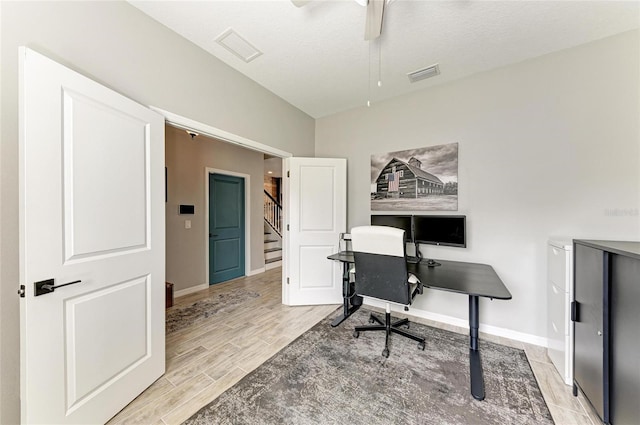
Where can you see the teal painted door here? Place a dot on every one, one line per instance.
(226, 227)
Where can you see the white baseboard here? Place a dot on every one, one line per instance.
(515, 335)
(256, 271)
(190, 290)
(202, 286)
(273, 265)
(464, 323)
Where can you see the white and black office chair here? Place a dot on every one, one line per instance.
(381, 273)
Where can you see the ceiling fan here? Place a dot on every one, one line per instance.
(375, 13)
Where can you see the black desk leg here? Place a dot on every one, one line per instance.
(477, 380)
(346, 310)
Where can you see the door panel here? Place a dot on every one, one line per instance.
(625, 317)
(316, 196)
(589, 344)
(317, 192)
(226, 255)
(101, 185)
(91, 210)
(122, 345)
(313, 272)
(226, 228)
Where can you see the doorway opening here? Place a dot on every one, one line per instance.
(188, 261)
(273, 212)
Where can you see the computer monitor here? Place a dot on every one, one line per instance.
(398, 221)
(447, 230)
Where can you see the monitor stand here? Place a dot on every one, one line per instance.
(428, 262)
(431, 263)
(417, 258)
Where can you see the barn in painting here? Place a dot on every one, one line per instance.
(399, 179)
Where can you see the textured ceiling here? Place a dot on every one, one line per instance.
(315, 57)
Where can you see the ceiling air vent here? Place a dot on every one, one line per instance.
(233, 42)
(421, 74)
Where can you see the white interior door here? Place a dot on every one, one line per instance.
(316, 196)
(92, 211)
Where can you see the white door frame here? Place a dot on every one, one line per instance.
(219, 134)
(247, 218)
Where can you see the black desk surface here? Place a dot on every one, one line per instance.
(454, 276)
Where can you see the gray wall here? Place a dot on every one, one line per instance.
(117, 45)
(186, 161)
(547, 147)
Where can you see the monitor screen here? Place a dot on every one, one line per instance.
(398, 221)
(448, 230)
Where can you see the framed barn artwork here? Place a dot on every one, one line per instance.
(423, 179)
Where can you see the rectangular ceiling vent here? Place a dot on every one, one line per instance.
(421, 74)
(233, 42)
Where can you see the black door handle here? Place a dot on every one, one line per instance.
(47, 286)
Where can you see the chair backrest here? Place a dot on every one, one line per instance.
(381, 266)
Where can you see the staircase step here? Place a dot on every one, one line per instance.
(272, 260)
(272, 265)
(272, 254)
(272, 250)
(270, 240)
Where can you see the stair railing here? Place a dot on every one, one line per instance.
(273, 213)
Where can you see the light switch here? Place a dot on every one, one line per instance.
(187, 224)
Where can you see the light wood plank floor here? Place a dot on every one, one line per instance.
(204, 360)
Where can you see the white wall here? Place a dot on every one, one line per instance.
(117, 45)
(547, 147)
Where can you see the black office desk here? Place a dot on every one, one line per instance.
(346, 258)
(474, 280)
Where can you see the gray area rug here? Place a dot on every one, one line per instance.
(181, 317)
(328, 377)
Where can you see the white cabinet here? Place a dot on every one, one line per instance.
(559, 296)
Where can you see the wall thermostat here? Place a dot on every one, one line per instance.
(186, 209)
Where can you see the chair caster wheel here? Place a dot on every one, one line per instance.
(385, 353)
(356, 334)
(421, 346)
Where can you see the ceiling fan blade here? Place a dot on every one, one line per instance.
(373, 24)
(300, 3)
